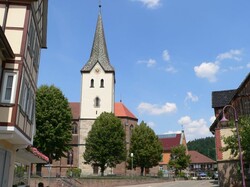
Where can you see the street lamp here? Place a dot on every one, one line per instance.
(71, 161)
(224, 119)
(49, 169)
(132, 155)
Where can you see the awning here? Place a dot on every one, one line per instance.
(30, 155)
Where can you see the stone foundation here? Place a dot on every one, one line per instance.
(93, 182)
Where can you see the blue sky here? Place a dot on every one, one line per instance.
(169, 55)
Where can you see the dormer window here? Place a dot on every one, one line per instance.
(102, 83)
(97, 102)
(92, 83)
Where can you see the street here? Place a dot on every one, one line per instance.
(187, 183)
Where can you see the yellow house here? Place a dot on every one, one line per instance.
(168, 142)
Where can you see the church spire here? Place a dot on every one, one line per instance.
(99, 51)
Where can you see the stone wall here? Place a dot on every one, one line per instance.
(93, 182)
(228, 174)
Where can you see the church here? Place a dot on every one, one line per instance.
(97, 96)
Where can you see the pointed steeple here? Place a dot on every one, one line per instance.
(99, 51)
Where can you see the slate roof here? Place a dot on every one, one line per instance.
(170, 140)
(99, 53)
(222, 98)
(198, 158)
(122, 111)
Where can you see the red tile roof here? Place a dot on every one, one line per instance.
(197, 158)
(75, 109)
(38, 153)
(170, 140)
(122, 111)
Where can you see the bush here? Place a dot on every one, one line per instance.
(160, 173)
(74, 172)
(181, 175)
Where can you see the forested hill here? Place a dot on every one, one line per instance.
(205, 146)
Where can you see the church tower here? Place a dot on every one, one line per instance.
(97, 89)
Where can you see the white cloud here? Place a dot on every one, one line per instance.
(248, 65)
(207, 70)
(165, 55)
(173, 132)
(151, 124)
(151, 4)
(191, 97)
(232, 54)
(236, 68)
(212, 119)
(171, 69)
(154, 109)
(194, 128)
(149, 63)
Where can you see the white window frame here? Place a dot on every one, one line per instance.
(31, 38)
(13, 88)
(24, 94)
(30, 106)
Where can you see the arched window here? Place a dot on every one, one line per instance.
(131, 127)
(102, 83)
(92, 83)
(74, 128)
(97, 102)
(70, 157)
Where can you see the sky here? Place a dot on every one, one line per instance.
(168, 55)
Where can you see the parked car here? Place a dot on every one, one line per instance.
(215, 175)
(202, 176)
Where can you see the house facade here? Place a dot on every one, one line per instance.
(168, 142)
(201, 163)
(239, 99)
(22, 35)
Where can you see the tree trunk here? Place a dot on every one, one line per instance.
(102, 171)
(142, 170)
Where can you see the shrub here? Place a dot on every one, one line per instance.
(160, 173)
(74, 172)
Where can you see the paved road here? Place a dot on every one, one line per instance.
(188, 183)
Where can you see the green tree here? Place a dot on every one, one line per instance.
(198, 145)
(105, 144)
(179, 159)
(146, 147)
(53, 122)
(231, 142)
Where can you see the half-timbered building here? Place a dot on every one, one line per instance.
(22, 35)
(238, 102)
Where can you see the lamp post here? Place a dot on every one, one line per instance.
(49, 169)
(132, 155)
(224, 119)
(71, 160)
